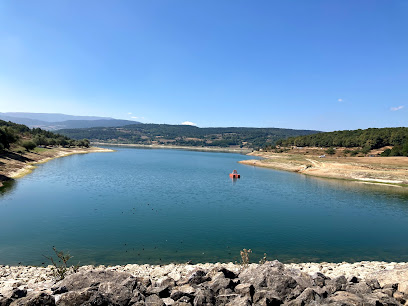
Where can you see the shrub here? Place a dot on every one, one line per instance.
(263, 259)
(354, 153)
(61, 268)
(386, 152)
(366, 150)
(245, 257)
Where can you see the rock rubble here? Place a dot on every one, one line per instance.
(272, 283)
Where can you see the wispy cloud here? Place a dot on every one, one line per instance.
(340, 100)
(188, 123)
(394, 109)
(129, 113)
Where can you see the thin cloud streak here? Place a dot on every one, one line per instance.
(394, 109)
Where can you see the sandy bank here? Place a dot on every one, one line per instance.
(16, 165)
(189, 148)
(374, 170)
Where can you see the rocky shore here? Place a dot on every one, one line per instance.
(271, 283)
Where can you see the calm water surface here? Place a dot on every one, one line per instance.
(161, 206)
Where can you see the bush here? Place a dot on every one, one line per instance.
(245, 257)
(366, 150)
(61, 267)
(386, 152)
(354, 153)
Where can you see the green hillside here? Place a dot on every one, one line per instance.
(185, 135)
(13, 135)
(367, 139)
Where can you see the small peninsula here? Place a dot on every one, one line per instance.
(375, 170)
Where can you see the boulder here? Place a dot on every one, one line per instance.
(227, 273)
(204, 297)
(273, 277)
(168, 301)
(246, 290)
(305, 298)
(225, 296)
(92, 278)
(265, 298)
(373, 284)
(319, 279)
(79, 297)
(195, 278)
(219, 282)
(358, 288)
(336, 284)
(154, 300)
(400, 297)
(35, 299)
(240, 301)
(185, 290)
(344, 298)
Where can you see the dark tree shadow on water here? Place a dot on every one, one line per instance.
(8, 184)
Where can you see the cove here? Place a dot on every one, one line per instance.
(159, 206)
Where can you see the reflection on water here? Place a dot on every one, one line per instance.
(161, 206)
(7, 187)
(364, 186)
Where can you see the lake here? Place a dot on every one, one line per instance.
(161, 206)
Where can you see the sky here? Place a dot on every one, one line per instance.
(321, 65)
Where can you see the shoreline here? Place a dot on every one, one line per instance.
(387, 171)
(173, 147)
(22, 165)
(295, 284)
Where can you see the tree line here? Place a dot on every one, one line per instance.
(19, 134)
(368, 139)
(185, 135)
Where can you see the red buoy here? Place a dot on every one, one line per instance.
(234, 174)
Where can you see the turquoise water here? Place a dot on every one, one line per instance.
(162, 206)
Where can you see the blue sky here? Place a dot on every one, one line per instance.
(325, 65)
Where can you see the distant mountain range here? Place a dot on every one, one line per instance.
(110, 130)
(61, 121)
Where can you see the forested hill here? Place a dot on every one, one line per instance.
(21, 136)
(369, 139)
(185, 135)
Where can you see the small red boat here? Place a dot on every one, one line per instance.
(234, 174)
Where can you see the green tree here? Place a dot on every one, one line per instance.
(52, 142)
(7, 136)
(62, 141)
(41, 140)
(28, 145)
